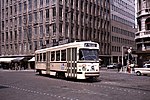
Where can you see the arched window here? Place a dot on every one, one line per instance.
(147, 24)
(139, 25)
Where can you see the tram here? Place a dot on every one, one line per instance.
(77, 60)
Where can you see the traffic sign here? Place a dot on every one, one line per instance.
(129, 50)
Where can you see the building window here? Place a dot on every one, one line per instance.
(35, 45)
(11, 36)
(3, 25)
(47, 2)
(41, 16)
(15, 34)
(147, 24)
(71, 2)
(30, 4)
(35, 17)
(41, 30)
(54, 27)
(60, 1)
(30, 32)
(11, 10)
(30, 18)
(6, 36)
(53, 1)
(7, 2)
(35, 30)
(35, 3)
(60, 12)
(11, 22)
(60, 28)
(20, 33)
(2, 13)
(41, 44)
(66, 2)
(20, 7)
(25, 6)
(20, 20)
(47, 13)
(47, 41)
(41, 3)
(47, 29)
(54, 12)
(66, 30)
(15, 9)
(16, 47)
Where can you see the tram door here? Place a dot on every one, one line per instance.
(48, 63)
(72, 62)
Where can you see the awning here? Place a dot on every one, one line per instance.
(6, 60)
(32, 59)
(17, 59)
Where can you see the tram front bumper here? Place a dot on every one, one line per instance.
(92, 74)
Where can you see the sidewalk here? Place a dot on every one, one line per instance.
(124, 70)
(28, 70)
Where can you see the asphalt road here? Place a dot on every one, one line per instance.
(111, 85)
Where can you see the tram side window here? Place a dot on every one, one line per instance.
(52, 55)
(40, 56)
(63, 55)
(44, 56)
(80, 55)
(57, 55)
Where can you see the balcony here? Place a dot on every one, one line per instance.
(143, 12)
(142, 34)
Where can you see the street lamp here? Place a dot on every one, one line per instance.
(123, 53)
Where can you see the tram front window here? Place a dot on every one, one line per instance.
(88, 54)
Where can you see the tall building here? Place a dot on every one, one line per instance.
(28, 25)
(143, 34)
(122, 28)
(0, 28)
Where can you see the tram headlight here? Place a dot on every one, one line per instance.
(84, 68)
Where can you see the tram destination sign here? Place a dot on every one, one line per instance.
(90, 45)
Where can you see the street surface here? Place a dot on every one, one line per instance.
(111, 85)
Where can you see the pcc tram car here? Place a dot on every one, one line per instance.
(74, 60)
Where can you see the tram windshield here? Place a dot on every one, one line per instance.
(88, 54)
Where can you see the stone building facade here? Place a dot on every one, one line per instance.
(143, 34)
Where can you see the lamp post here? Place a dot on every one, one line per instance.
(122, 54)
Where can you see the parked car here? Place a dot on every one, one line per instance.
(145, 70)
(112, 66)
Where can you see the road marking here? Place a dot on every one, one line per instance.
(42, 93)
(104, 86)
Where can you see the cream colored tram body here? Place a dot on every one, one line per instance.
(73, 60)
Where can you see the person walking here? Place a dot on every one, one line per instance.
(119, 66)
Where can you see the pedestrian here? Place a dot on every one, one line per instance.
(119, 66)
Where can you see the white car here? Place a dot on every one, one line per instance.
(112, 66)
(145, 70)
